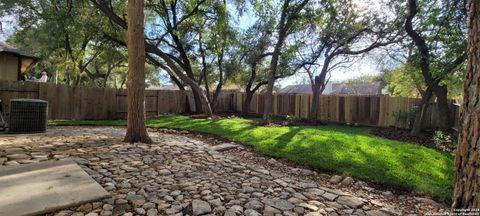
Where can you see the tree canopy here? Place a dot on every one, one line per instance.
(203, 45)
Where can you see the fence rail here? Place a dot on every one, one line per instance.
(68, 102)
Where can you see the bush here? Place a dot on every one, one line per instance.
(407, 117)
(444, 141)
(290, 119)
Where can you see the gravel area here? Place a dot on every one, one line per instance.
(191, 174)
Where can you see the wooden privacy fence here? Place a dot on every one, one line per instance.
(68, 102)
(373, 110)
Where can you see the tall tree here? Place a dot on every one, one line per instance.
(136, 118)
(169, 53)
(256, 55)
(218, 50)
(440, 51)
(467, 162)
(290, 12)
(336, 35)
(66, 35)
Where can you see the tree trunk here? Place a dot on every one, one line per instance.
(123, 83)
(221, 80)
(420, 115)
(104, 83)
(424, 63)
(312, 116)
(78, 80)
(198, 100)
(136, 118)
(318, 85)
(216, 94)
(267, 106)
(444, 119)
(55, 77)
(177, 82)
(247, 102)
(202, 97)
(284, 25)
(93, 82)
(67, 79)
(194, 85)
(204, 69)
(466, 193)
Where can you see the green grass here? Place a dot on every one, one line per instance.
(340, 149)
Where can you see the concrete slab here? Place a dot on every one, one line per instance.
(45, 187)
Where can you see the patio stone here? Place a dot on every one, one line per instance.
(350, 201)
(18, 156)
(224, 147)
(44, 187)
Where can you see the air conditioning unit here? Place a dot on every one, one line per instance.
(28, 116)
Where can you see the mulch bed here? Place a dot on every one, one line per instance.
(425, 138)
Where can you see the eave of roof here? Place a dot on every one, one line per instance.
(5, 48)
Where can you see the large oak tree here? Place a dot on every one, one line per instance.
(467, 161)
(136, 119)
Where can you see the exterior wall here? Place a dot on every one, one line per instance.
(8, 67)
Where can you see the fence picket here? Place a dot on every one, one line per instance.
(71, 102)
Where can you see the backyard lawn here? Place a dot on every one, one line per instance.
(346, 150)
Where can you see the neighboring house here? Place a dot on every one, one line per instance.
(232, 87)
(164, 87)
(296, 89)
(372, 88)
(14, 63)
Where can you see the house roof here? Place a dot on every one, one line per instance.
(5, 48)
(372, 88)
(297, 89)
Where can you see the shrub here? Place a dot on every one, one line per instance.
(407, 117)
(444, 141)
(290, 119)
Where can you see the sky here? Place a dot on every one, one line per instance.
(8, 23)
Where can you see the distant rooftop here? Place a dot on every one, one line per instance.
(296, 89)
(372, 88)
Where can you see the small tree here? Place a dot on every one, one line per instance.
(136, 126)
(467, 192)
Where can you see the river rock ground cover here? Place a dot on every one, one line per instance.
(187, 174)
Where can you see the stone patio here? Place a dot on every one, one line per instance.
(185, 174)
